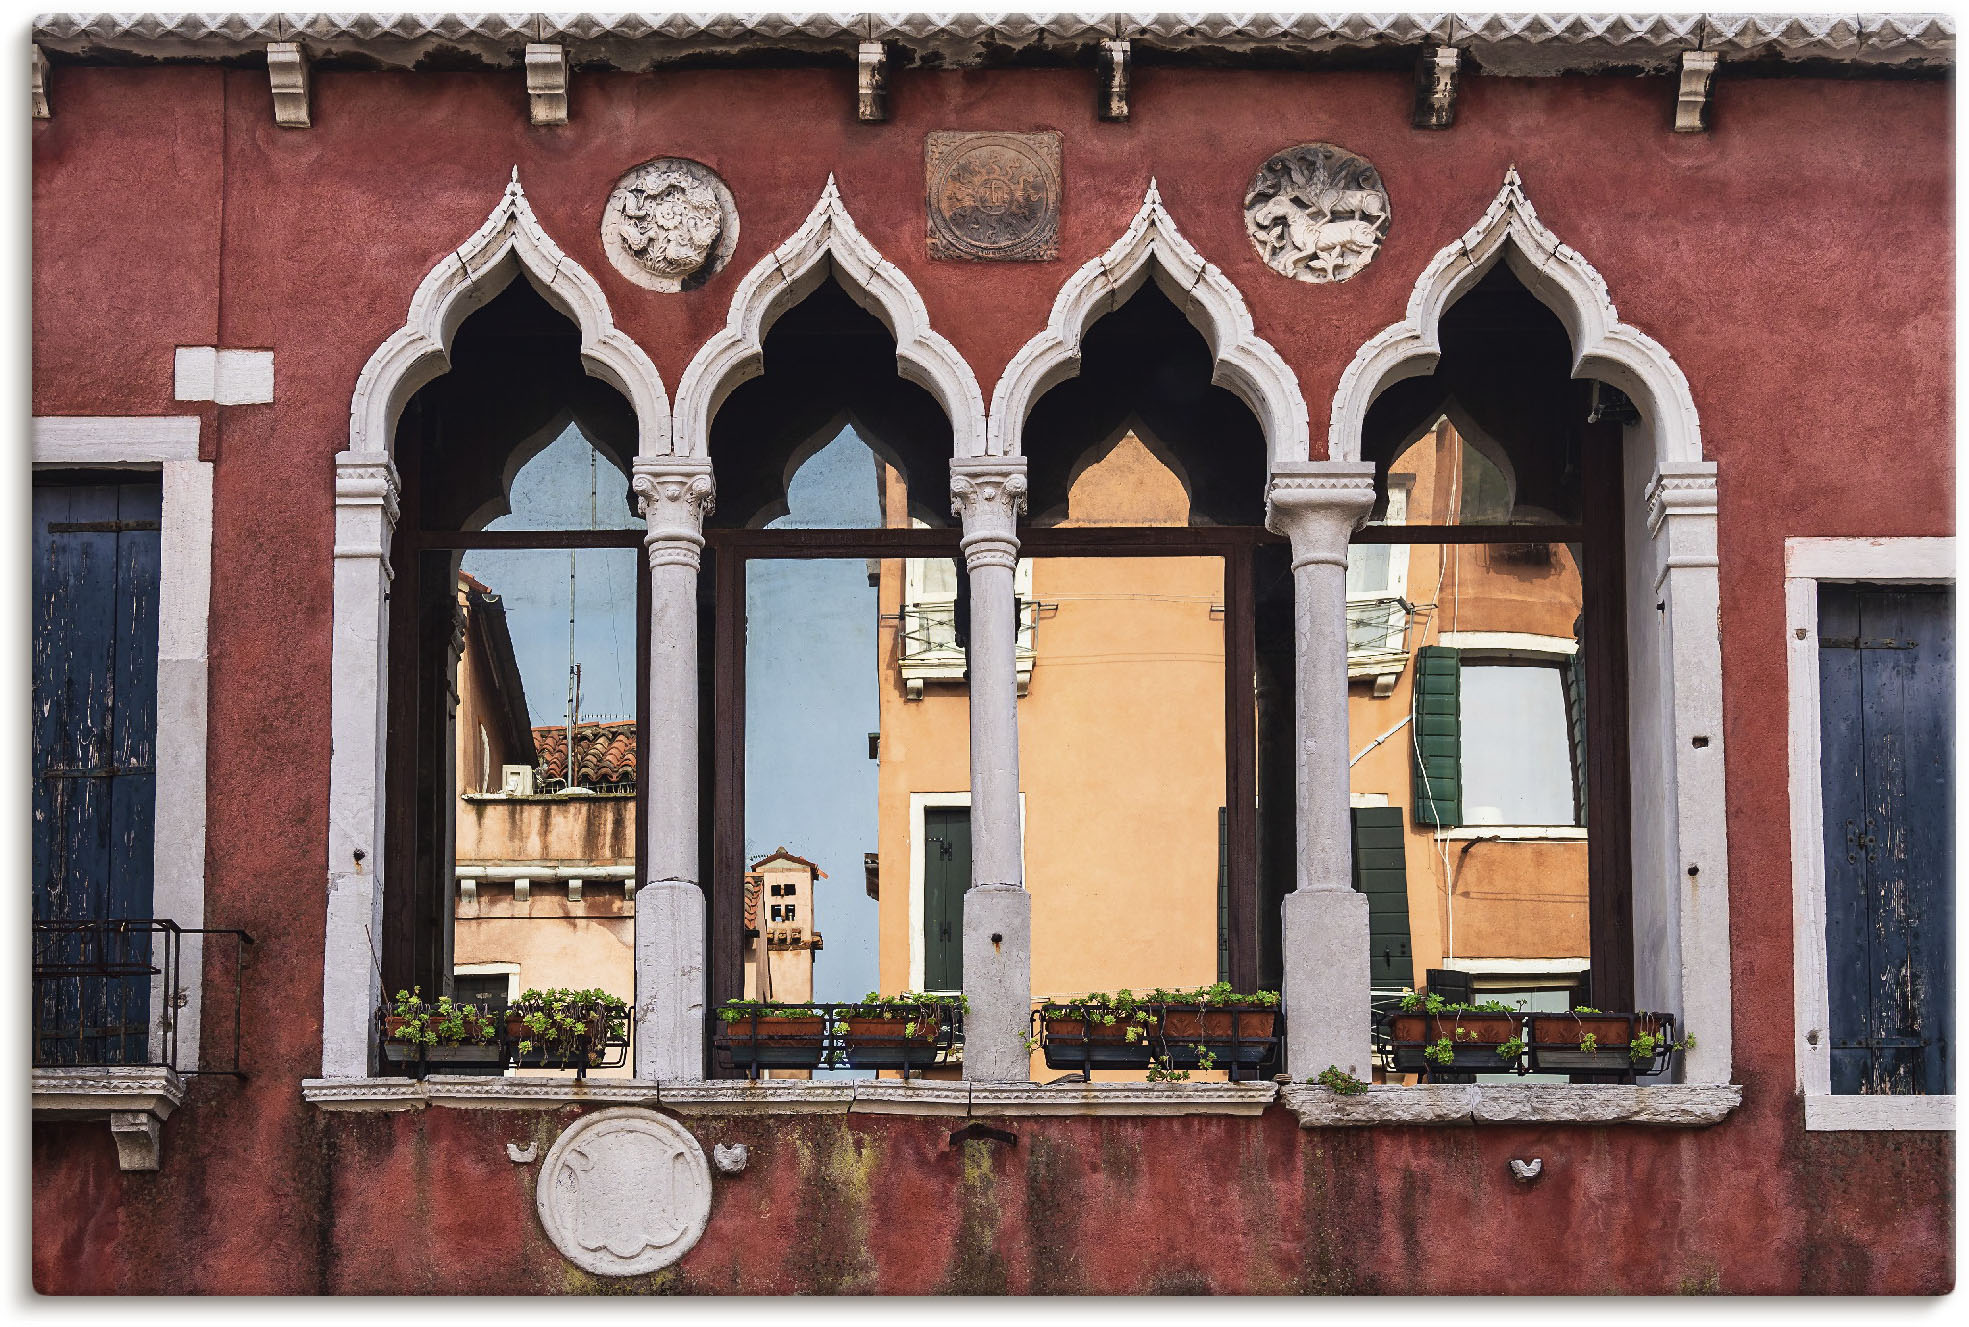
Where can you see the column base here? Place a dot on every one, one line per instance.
(670, 980)
(998, 983)
(1327, 1011)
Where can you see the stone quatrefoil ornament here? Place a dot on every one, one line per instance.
(1316, 213)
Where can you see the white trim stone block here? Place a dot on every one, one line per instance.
(227, 377)
(136, 440)
(1676, 1105)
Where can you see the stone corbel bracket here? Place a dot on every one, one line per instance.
(1115, 59)
(287, 72)
(546, 82)
(1692, 95)
(37, 78)
(135, 1101)
(1436, 74)
(872, 83)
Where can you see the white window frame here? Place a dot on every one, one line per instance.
(166, 445)
(1810, 563)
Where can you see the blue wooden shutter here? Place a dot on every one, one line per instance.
(1886, 676)
(1438, 745)
(96, 558)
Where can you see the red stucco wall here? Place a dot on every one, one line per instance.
(1797, 262)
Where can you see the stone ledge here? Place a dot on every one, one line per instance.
(1121, 1098)
(1679, 1105)
(893, 1096)
(136, 1101)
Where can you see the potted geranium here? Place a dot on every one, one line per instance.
(1435, 1036)
(906, 1031)
(1590, 1041)
(761, 1034)
(463, 1038)
(564, 1029)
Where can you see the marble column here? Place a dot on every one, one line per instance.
(989, 493)
(675, 493)
(1318, 505)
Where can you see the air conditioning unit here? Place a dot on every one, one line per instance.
(516, 780)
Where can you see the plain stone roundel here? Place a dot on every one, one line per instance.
(1316, 212)
(624, 1192)
(670, 224)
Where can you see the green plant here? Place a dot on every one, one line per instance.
(1646, 1044)
(735, 1010)
(914, 1007)
(441, 1024)
(1441, 1052)
(1339, 1080)
(568, 1022)
(1589, 1043)
(1511, 1049)
(1427, 1003)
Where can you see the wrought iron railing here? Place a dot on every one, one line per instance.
(107, 991)
(1377, 634)
(827, 1035)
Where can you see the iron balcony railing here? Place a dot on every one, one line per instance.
(107, 991)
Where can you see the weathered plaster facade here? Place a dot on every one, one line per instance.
(1731, 266)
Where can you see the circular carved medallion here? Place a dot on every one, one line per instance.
(1317, 213)
(624, 1192)
(994, 196)
(670, 224)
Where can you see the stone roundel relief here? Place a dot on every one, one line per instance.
(670, 224)
(624, 1192)
(994, 196)
(1316, 213)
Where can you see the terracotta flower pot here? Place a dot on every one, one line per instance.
(1214, 1025)
(1555, 1042)
(1473, 1039)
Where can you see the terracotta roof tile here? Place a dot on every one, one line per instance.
(603, 752)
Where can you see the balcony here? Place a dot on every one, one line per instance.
(930, 651)
(1377, 639)
(99, 1053)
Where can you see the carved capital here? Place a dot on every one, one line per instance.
(675, 494)
(1684, 488)
(988, 493)
(1318, 505)
(365, 488)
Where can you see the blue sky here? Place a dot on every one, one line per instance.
(811, 701)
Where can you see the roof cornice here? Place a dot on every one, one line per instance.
(1508, 44)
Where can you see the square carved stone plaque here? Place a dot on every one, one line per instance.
(993, 197)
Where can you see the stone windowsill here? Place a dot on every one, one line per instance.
(136, 1101)
(1682, 1105)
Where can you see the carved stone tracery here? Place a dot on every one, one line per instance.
(670, 224)
(1316, 213)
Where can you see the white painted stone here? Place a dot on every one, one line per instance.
(227, 377)
(1180, 1098)
(1153, 247)
(115, 440)
(1316, 213)
(287, 73)
(1328, 1020)
(522, 1156)
(731, 1159)
(546, 82)
(872, 83)
(917, 1096)
(1825, 1113)
(767, 1096)
(997, 981)
(670, 224)
(669, 979)
(624, 1192)
(1676, 1105)
(827, 243)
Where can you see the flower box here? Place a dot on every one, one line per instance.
(1473, 1037)
(1598, 1043)
(895, 1041)
(759, 1041)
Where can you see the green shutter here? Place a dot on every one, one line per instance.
(1438, 743)
(1381, 873)
(1576, 714)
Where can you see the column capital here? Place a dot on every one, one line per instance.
(675, 494)
(1681, 488)
(367, 479)
(1318, 505)
(988, 493)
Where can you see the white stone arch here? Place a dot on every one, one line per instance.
(1152, 246)
(827, 243)
(1603, 346)
(511, 243)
